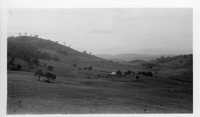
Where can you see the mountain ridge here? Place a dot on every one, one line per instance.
(130, 56)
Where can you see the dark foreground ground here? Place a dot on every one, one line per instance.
(82, 95)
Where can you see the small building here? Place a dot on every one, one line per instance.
(113, 73)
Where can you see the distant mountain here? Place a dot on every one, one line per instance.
(137, 61)
(129, 57)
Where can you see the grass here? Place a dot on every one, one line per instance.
(80, 94)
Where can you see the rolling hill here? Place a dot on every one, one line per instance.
(84, 85)
(26, 48)
(129, 57)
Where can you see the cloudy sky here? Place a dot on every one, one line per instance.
(109, 31)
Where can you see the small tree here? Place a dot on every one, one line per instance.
(36, 36)
(36, 61)
(39, 73)
(18, 66)
(90, 68)
(49, 76)
(119, 73)
(137, 78)
(84, 52)
(50, 68)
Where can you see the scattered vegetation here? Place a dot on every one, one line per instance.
(88, 68)
(49, 76)
(26, 48)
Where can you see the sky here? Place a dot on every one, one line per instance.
(109, 30)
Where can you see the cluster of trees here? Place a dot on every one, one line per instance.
(131, 73)
(85, 52)
(84, 68)
(48, 76)
(187, 58)
(88, 68)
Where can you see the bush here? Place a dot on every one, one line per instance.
(90, 68)
(18, 66)
(35, 61)
(50, 68)
(50, 76)
(39, 73)
(118, 72)
(14, 67)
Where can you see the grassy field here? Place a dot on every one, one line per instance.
(78, 89)
(86, 93)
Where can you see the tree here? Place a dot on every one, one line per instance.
(50, 68)
(137, 78)
(90, 68)
(85, 52)
(119, 73)
(49, 76)
(39, 73)
(35, 61)
(18, 66)
(36, 36)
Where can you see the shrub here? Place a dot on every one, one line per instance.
(14, 67)
(35, 61)
(18, 67)
(50, 76)
(39, 73)
(50, 68)
(90, 68)
(118, 72)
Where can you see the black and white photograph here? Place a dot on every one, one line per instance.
(99, 60)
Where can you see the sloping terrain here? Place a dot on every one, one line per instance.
(52, 53)
(128, 57)
(78, 89)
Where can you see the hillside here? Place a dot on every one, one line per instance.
(128, 57)
(83, 83)
(34, 52)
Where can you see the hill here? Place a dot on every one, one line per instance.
(84, 84)
(137, 61)
(129, 57)
(33, 52)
